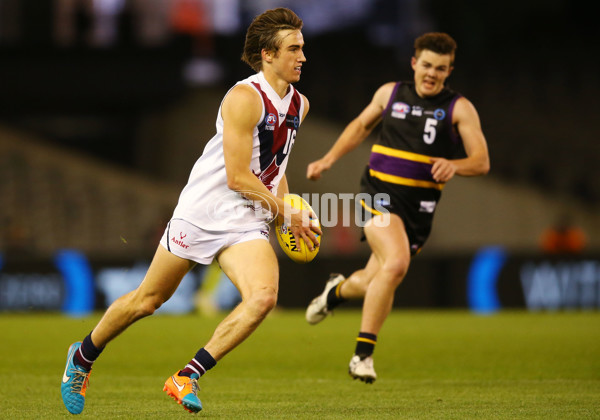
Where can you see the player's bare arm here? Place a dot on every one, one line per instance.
(306, 107)
(477, 162)
(283, 188)
(241, 111)
(354, 133)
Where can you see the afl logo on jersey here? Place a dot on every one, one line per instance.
(270, 121)
(400, 109)
(439, 114)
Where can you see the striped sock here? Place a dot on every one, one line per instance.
(200, 364)
(334, 297)
(365, 344)
(87, 353)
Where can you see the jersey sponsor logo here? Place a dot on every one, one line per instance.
(427, 206)
(400, 109)
(439, 114)
(292, 121)
(180, 241)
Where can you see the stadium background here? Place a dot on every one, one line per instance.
(108, 104)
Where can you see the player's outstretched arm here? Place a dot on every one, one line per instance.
(354, 133)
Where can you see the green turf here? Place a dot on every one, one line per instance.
(431, 365)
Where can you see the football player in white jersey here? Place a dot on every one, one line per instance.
(234, 190)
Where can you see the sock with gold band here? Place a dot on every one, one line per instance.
(365, 344)
(334, 297)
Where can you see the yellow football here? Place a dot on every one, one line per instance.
(298, 252)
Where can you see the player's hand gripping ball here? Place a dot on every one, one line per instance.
(297, 251)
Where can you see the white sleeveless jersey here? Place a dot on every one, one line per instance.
(207, 202)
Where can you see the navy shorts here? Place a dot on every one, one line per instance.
(414, 205)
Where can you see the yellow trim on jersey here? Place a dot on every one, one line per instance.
(393, 179)
(375, 212)
(383, 150)
(366, 340)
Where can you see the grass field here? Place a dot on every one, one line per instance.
(431, 365)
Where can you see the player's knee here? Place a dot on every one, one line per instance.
(396, 270)
(263, 301)
(147, 305)
(358, 281)
(150, 306)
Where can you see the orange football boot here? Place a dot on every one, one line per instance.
(184, 390)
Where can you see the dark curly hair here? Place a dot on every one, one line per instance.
(438, 42)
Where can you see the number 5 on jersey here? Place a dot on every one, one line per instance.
(429, 132)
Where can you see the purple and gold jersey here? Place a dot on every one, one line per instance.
(413, 130)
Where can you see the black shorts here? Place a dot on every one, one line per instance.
(415, 206)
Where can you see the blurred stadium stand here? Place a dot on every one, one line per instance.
(108, 104)
(53, 199)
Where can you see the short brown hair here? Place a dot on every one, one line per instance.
(263, 34)
(438, 42)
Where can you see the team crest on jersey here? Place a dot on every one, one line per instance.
(400, 109)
